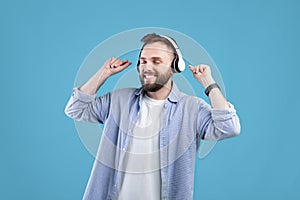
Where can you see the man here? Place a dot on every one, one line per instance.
(151, 134)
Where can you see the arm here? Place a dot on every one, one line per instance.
(203, 74)
(219, 120)
(83, 104)
(110, 67)
(217, 124)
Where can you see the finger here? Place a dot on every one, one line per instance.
(111, 61)
(117, 62)
(123, 65)
(192, 68)
(124, 62)
(201, 68)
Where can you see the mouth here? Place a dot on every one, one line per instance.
(149, 77)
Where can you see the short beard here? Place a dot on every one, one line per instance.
(152, 87)
(161, 80)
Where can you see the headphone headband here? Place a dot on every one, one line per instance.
(179, 66)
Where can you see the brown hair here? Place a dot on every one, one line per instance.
(153, 37)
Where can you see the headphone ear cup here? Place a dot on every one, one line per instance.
(175, 64)
(138, 65)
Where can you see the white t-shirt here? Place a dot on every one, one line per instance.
(142, 164)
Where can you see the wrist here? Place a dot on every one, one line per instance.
(206, 81)
(211, 87)
(103, 73)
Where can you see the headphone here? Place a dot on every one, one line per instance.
(178, 64)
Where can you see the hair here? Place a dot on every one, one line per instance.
(153, 37)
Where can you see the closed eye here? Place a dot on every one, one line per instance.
(156, 61)
(143, 61)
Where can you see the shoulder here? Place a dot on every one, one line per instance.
(124, 93)
(192, 101)
(183, 97)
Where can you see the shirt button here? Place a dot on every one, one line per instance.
(115, 185)
(124, 149)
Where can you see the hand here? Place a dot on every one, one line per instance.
(203, 74)
(115, 65)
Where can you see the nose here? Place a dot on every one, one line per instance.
(146, 67)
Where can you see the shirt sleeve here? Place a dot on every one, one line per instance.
(217, 124)
(88, 108)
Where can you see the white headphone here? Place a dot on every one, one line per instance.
(178, 63)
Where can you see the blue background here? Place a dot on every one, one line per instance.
(255, 45)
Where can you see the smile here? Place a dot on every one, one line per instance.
(148, 76)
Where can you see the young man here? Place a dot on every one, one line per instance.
(151, 134)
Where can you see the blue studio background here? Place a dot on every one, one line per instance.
(255, 45)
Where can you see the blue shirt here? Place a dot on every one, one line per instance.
(185, 121)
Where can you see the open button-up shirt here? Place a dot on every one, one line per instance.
(185, 121)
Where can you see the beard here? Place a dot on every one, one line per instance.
(160, 80)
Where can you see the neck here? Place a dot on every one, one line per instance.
(162, 93)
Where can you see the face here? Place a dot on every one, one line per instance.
(155, 66)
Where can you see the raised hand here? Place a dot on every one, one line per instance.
(115, 65)
(203, 74)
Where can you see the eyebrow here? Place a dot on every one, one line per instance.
(153, 58)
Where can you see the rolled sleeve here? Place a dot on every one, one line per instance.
(218, 124)
(84, 97)
(86, 107)
(223, 114)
